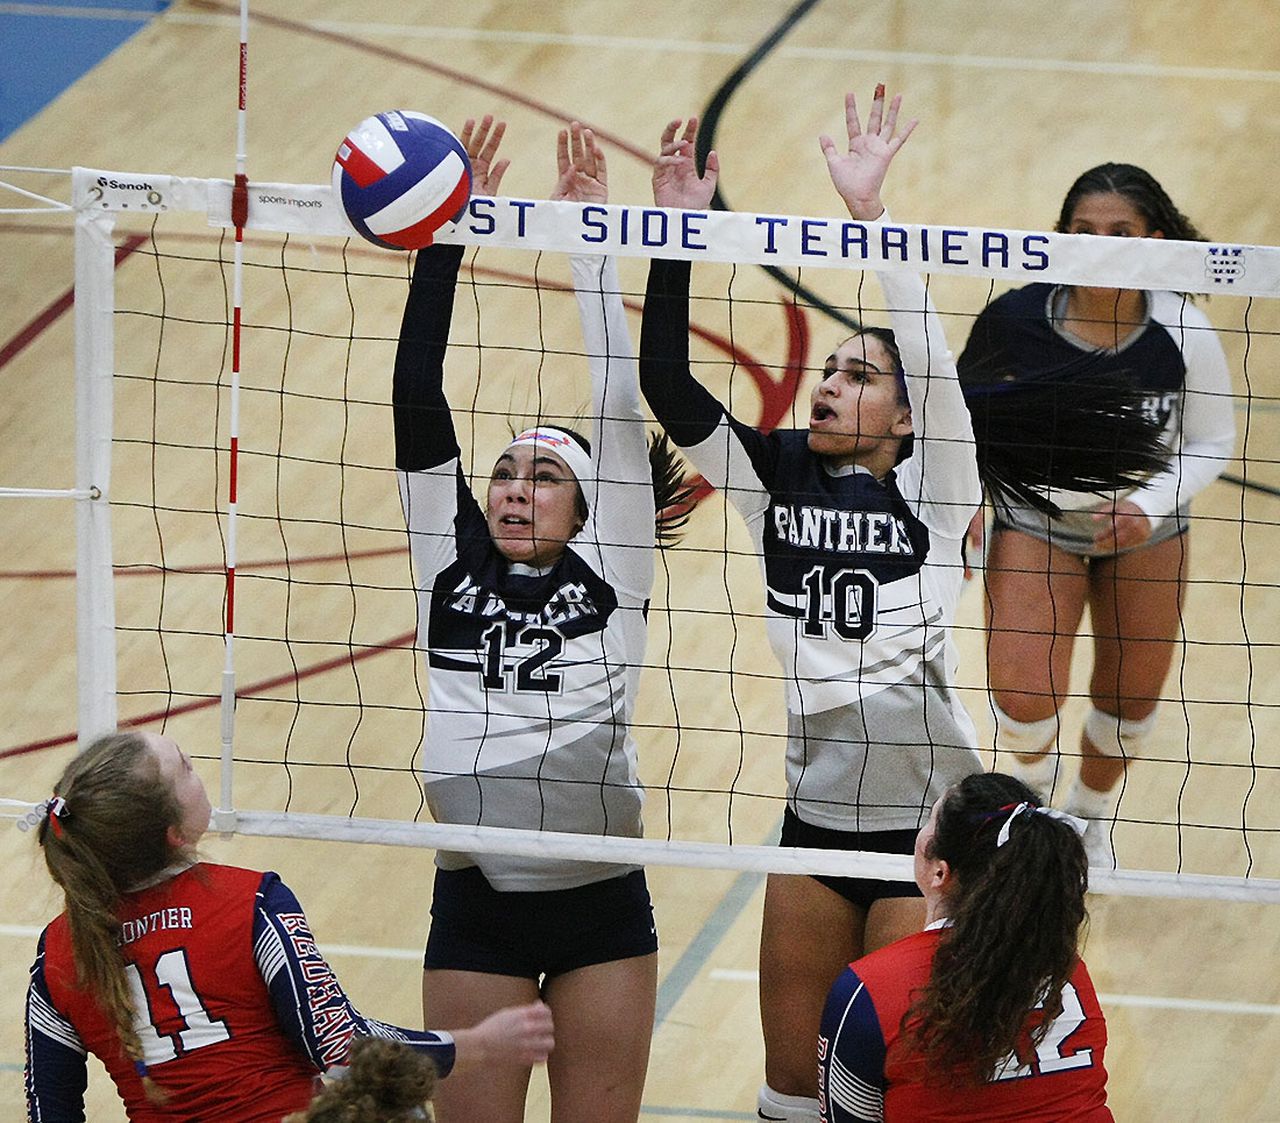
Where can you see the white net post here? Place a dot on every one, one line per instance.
(94, 351)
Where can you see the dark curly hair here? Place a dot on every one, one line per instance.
(1142, 190)
(1016, 913)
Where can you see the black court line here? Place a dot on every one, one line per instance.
(1248, 485)
(706, 142)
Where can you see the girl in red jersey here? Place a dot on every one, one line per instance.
(198, 986)
(989, 1013)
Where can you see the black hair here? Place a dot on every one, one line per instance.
(1080, 426)
(1141, 189)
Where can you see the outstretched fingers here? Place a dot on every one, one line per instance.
(481, 143)
(852, 124)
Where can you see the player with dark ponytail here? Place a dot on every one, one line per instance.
(989, 1012)
(1122, 546)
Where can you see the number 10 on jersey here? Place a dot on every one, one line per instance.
(844, 600)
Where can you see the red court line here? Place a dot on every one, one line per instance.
(349, 659)
(247, 569)
(45, 319)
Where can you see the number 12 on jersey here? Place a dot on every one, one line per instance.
(844, 600)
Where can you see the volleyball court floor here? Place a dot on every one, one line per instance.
(1014, 102)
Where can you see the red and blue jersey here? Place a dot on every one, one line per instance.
(869, 1071)
(236, 1010)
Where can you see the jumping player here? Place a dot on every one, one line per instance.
(198, 986)
(989, 1013)
(861, 553)
(1126, 557)
(532, 618)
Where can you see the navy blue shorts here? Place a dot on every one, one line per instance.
(861, 891)
(529, 935)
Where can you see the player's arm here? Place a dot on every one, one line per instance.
(941, 477)
(425, 436)
(943, 469)
(311, 1007)
(851, 1051)
(315, 1013)
(731, 456)
(1207, 434)
(56, 1071)
(423, 424)
(620, 497)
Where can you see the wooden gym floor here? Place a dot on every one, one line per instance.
(1014, 99)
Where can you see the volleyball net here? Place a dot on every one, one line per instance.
(268, 451)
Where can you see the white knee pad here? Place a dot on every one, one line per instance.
(791, 1109)
(1117, 736)
(1025, 737)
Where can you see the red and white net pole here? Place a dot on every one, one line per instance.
(239, 217)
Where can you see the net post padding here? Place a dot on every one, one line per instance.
(94, 366)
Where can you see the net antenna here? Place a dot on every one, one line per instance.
(224, 814)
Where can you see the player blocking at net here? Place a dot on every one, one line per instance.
(198, 986)
(860, 621)
(531, 614)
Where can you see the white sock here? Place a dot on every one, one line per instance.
(787, 1109)
(1087, 802)
(1037, 774)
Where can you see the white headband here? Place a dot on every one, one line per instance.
(562, 444)
(1077, 825)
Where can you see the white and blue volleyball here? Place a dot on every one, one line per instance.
(401, 176)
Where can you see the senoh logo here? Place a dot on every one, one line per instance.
(126, 193)
(122, 185)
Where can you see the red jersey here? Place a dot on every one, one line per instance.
(236, 1009)
(210, 1035)
(869, 1071)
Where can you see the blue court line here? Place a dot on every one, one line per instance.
(50, 46)
(701, 947)
(698, 1113)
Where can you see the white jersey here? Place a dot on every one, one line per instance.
(862, 575)
(533, 673)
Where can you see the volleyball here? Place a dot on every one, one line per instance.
(401, 176)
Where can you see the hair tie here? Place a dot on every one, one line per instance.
(54, 809)
(1077, 825)
(140, 1067)
(1003, 836)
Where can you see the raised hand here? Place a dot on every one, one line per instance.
(583, 177)
(481, 142)
(859, 173)
(676, 182)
